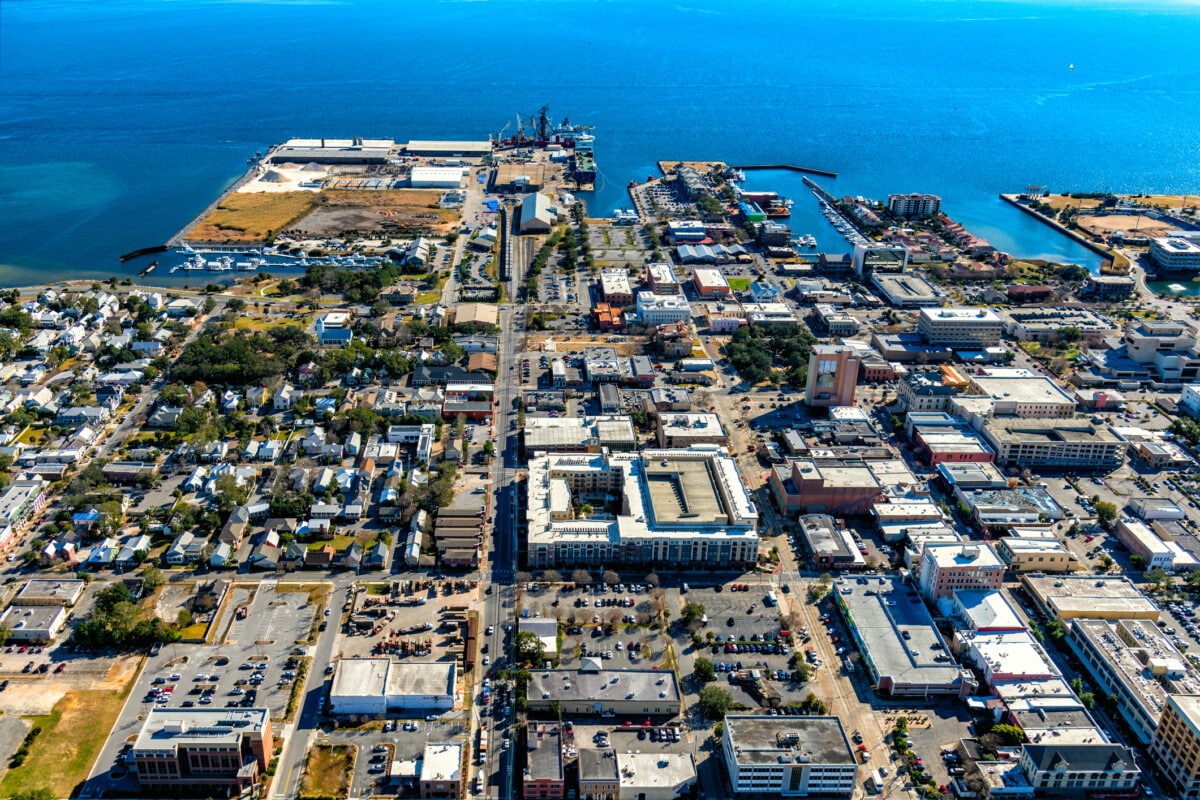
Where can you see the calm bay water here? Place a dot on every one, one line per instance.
(120, 120)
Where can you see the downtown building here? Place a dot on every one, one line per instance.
(769, 757)
(201, 751)
(685, 507)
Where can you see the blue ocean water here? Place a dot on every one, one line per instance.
(120, 120)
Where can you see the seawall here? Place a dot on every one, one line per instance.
(1065, 231)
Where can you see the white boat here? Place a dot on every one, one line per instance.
(1178, 288)
(194, 262)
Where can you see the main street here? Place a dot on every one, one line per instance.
(502, 559)
(299, 736)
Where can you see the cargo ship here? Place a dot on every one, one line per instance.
(583, 165)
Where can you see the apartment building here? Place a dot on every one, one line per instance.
(1175, 747)
(970, 328)
(682, 507)
(202, 751)
(788, 756)
(914, 204)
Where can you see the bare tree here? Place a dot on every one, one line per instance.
(581, 576)
(610, 577)
(552, 576)
(523, 577)
(652, 579)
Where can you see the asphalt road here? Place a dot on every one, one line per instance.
(299, 736)
(502, 560)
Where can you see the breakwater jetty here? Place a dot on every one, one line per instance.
(788, 167)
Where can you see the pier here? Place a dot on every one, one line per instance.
(789, 167)
(819, 190)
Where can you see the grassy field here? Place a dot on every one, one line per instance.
(740, 284)
(1061, 201)
(253, 217)
(1165, 200)
(72, 735)
(33, 436)
(317, 593)
(327, 772)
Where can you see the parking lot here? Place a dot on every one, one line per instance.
(751, 642)
(255, 664)
(609, 623)
(405, 742)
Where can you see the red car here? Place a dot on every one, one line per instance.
(1088, 538)
(61, 666)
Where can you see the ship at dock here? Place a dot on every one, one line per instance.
(577, 140)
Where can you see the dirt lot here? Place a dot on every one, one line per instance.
(399, 211)
(1104, 225)
(36, 694)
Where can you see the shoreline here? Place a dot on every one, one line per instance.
(1108, 255)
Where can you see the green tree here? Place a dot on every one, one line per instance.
(715, 702)
(1160, 579)
(1056, 630)
(1070, 334)
(1008, 734)
(152, 579)
(1138, 561)
(1105, 511)
(692, 612)
(235, 305)
(704, 670)
(529, 648)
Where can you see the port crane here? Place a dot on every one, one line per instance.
(500, 135)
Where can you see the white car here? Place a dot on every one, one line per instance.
(487, 660)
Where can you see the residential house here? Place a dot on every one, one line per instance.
(222, 555)
(186, 549)
(376, 556)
